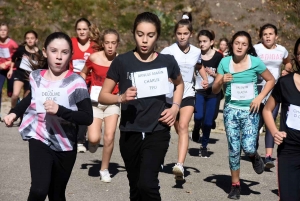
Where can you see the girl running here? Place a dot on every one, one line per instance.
(145, 119)
(206, 101)
(83, 47)
(98, 64)
(273, 55)
(187, 56)
(286, 92)
(7, 49)
(239, 72)
(57, 103)
(223, 46)
(20, 60)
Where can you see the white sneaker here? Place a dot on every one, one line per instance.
(105, 176)
(81, 148)
(178, 171)
(93, 147)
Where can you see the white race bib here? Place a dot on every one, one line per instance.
(242, 91)
(151, 82)
(25, 64)
(95, 91)
(293, 117)
(78, 65)
(4, 52)
(187, 73)
(58, 95)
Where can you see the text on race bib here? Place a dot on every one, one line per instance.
(4, 52)
(78, 65)
(151, 82)
(293, 117)
(58, 95)
(242, 91)
(95, 91)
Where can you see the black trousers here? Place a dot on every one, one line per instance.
(82, 129)
(143, 155)
(50, 171)
(289, 177)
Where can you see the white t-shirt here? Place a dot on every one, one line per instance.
(186, 63)
(272, 58)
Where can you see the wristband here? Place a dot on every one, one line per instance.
(176, 104)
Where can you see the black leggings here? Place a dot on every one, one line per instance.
(50, 171)
(143, 156)
(289, 177)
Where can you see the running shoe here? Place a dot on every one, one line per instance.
(235, 192)
(178, 171)
(81, 148)
(203, 153)
(105, 176)
(269, 162)
(257, 163)
(93, 147)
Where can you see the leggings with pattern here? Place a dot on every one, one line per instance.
(241, 130)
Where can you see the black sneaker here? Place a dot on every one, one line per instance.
(203, 153)
(257, 163)
(235, 192)
(269, 162)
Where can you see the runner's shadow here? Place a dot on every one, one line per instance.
(96, 165)
(224, 182)
(195, 152)
(179, 184)
(275, 191)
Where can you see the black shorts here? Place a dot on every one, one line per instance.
(22, 76)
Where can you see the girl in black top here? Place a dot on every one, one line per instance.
(21, 63)
(145, 122)
(287, 92)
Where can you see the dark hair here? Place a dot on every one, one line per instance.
(208, 34)
(82, 20)
(267, 26)
(250, 50)
(29, 32)
(41, 60)
(225, 40)
(185, 22)
(295, 54)
(147, 17)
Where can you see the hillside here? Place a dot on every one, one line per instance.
(224, 17)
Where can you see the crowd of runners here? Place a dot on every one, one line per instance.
(74, 85)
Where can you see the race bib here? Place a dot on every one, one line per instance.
(242, 91)
(293, 117)
(187, 73)
(78, 65)
(58, 95)
(95, 91)
(151, 82)
(25, 64)
(4, 52)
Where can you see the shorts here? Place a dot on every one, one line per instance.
(22, 76)
(102, 111)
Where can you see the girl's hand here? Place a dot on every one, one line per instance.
(210, 72)
(51, 107)
(227, 78)
(129, 94)
(204, 84)
(278, 137)
(9, 73)
(9, 119)
(169, 115)
(255, 104)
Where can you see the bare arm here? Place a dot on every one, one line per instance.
(268, 118)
